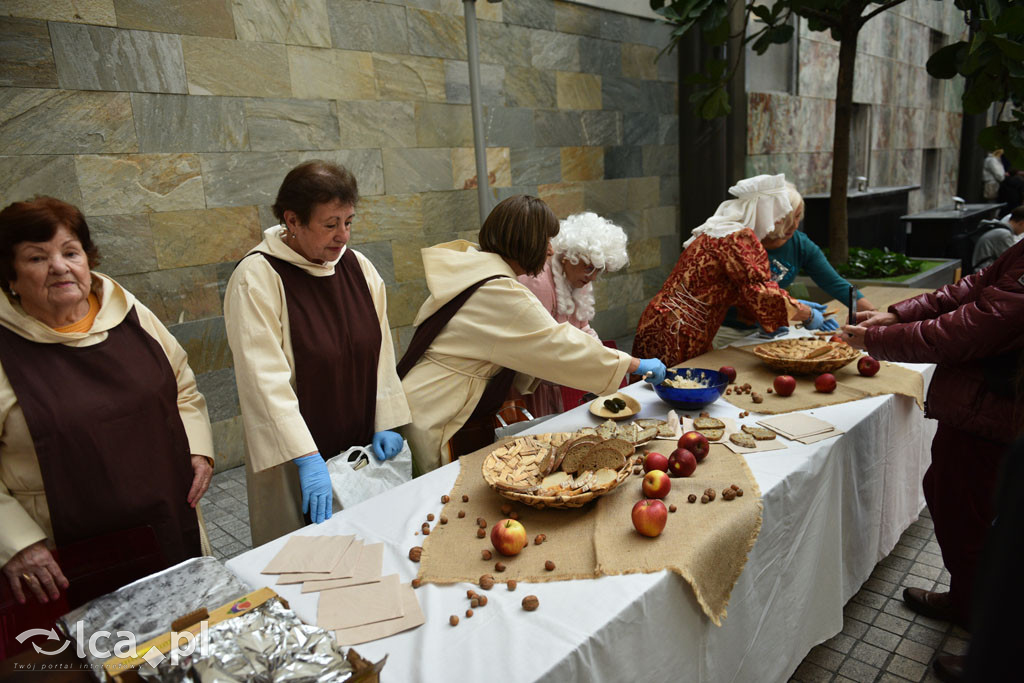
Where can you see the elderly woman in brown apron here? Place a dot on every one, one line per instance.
(102, 429)
(307, 322)
(481, 332)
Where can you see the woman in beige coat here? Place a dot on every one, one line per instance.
(307, 323)
(481, 332)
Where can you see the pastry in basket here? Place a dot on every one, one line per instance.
(743, 439)
(759, 433)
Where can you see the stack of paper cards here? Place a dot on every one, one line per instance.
(800, 427)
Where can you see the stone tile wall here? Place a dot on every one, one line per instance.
(792, 133)
(171, 124)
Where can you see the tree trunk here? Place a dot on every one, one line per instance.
(838, 237)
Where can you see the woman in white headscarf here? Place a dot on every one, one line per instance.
(723, 264)
(586, 246)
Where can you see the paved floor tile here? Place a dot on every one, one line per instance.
(907, 668)
(858, 671)
(891, 623)
(811, 673)
(868, 653)
(882, 638)
(840, 643)
(919, 652)
(824, 657)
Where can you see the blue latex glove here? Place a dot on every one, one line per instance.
(653, 366)
(387, 445)
(779, 332)
(814, 306)
(316, 487)
(817, 320)
(830, 324)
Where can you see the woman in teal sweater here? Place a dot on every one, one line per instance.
(789, 252)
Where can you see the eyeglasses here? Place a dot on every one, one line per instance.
(593, 271)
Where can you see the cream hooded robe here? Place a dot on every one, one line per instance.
(24, 515)
(256, 317)
(501, 325)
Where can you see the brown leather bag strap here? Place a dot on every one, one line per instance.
(428, 330)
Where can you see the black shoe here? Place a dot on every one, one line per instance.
(950, 668)
(929, 603)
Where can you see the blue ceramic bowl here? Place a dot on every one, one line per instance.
(691, 399)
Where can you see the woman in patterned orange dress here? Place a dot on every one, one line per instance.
(722, 265)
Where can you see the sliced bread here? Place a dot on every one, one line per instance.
(600, 456)
(742, 439)
(759, 433)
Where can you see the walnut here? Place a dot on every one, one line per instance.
(530, 603)
(487, 582)
(728, 494)
(415, 553)
(757, 398)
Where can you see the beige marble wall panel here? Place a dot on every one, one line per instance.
(102, 58)
(492, 79)
(81, 11)
(388, 217)
(296, 22)
(552, 50)
(505, 44)
(199, 237)
(485, 11)
(643, 193)
(365, 164)
(137, 183)
(881, 127)
(644, 253)
(26, 58)
(565, 199)
(408, 77)
(86, 121)
(531, 88)
(638, 61)
(819, 68)
(661, 222)
(448, 212)
(417, 170)
(605, 197)
(370, 26)
(570, 18)
(443, 125)
(407, 258)
(331, 74)
(582, 163)
(279, 125)
(125, 243)
(181, 294)
(245, 178)
(464, 176)
(27, 176)
(404, 300)
(190, 17)
(433, 34)
(377, 124)
(184, 123)
(577, 90)
(232, 67)
(228, 444)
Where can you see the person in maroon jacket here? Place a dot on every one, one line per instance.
(973, 331)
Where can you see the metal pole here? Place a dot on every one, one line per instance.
(479, 146)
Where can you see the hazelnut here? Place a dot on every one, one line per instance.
(445, 499)
(480, 533)
(728, 494)
(513, 515)
(512, 584)
(692, 498)
(549, 565)
(415, 553)
(486, 554)
(499, 566)
(637, 470)
(453, 620)
(739, 492)
(530, 603)
(734, 487)
(672, 508)
(416, 583)
(481, 522)
(705, 413)
(444, 520)
(462, 513)
(430, 516)
(703, 499)
(770, 390)
(474, 602)
(469, 613)
(506, 508)
(415, 533)
(426, 530)
(540, 538)
(483, 600)
(471, 594)
(465, 498)
(487, 582)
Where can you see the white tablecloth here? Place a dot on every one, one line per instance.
(832, 510)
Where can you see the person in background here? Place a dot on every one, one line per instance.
(992, 173)
(973, 331)
(481, 332)
(102, 428)
(724, 264)
(1011, 189)
(998, 238)
(307, 323)
(791, 251)
(586, 246)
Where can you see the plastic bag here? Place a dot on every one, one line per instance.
(357, 475)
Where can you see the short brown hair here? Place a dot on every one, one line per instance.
(1017, 214)
(519, 228)
(311, 183)
(37, 220)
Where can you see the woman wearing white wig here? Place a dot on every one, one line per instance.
(723, 264)
(586, 246)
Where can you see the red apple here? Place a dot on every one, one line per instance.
(655, 461)
(825, 383)
(508, 537)
(837, 338)
(784, 385)
(681, 463)
(649, 517)
(696, 443)
(868, 366)
(656, 484)
(729, 372)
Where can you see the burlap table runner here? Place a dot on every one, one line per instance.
(707, 544)
(851, 386)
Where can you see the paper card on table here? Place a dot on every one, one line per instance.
(359, 605)
(367, 570)
(820, 437)
(412, 618)
(343, 569)
(317, 554)
(796, 425)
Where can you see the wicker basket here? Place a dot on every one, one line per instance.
(790, 355)
(516, 465)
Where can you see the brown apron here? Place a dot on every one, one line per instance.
(479, 428)
(335, 335)
(110, 443)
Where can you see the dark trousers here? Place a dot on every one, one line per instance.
(960, 488)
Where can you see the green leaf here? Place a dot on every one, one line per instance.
(946, 61)
(781, 34)
(716, 69)
(1010, 48)
(719, 34)
(716, 104)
